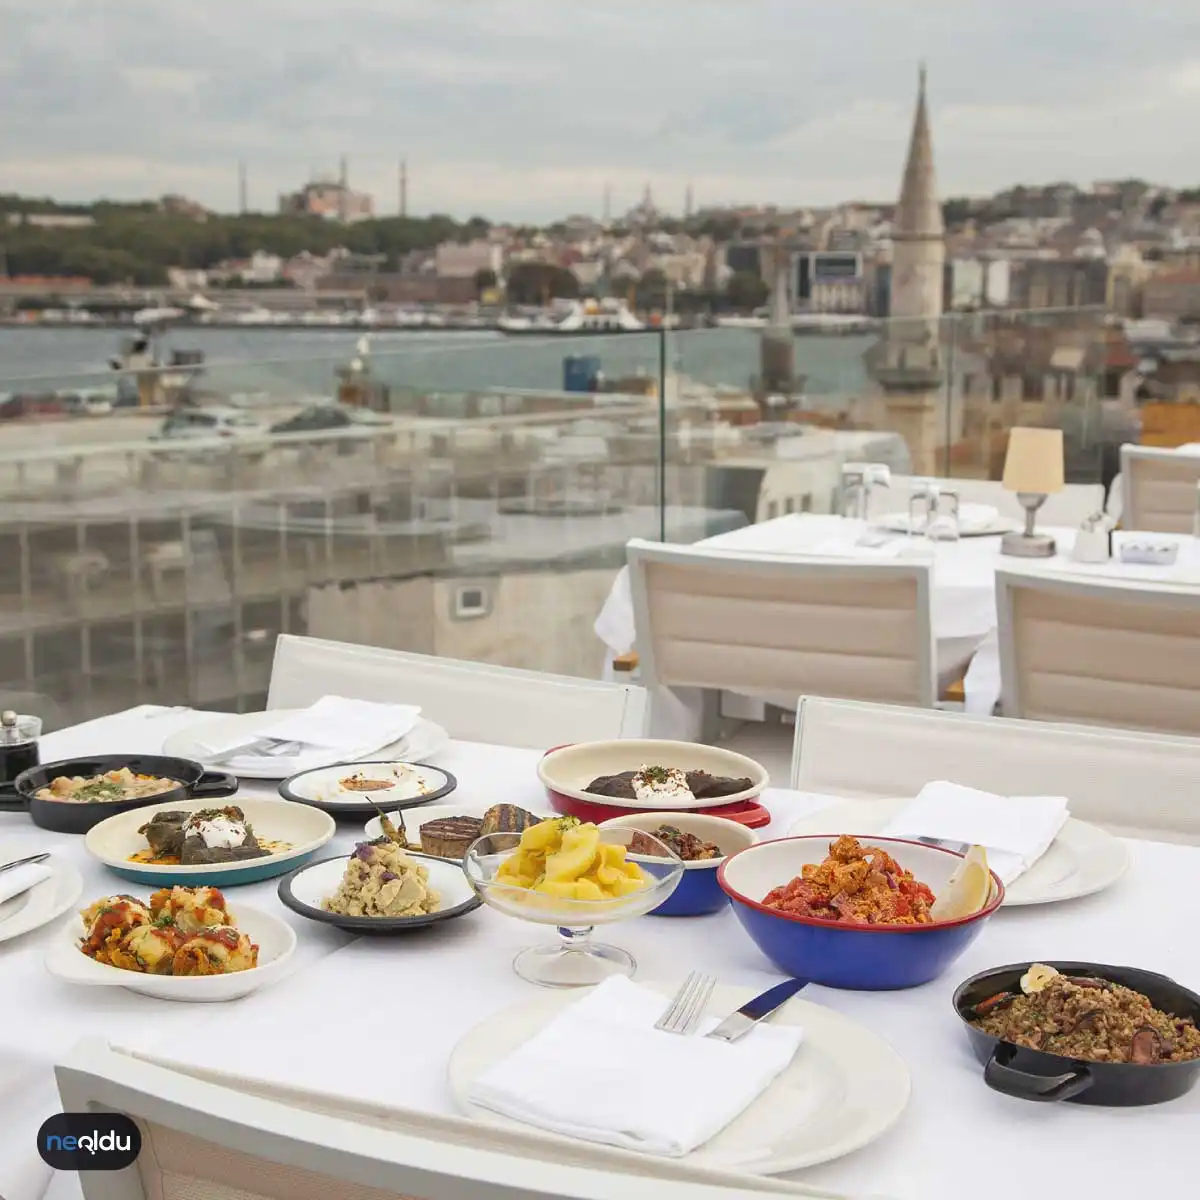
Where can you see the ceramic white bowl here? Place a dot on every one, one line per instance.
(275, 938)
(304, 828)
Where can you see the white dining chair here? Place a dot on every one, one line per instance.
(1135, 784)
(774, 628)
(474, 702)
(1158, 489)
(1099, 651)
(203, 1140)
(1070, 507)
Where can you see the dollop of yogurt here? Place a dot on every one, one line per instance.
(218, 833)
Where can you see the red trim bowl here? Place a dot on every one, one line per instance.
(844, 954)
(566, 770)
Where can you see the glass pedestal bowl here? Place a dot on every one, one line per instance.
(575, 959)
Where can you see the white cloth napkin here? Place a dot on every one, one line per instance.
(21, 879)
(331, 730)
(977, 516)
(1014, 830)
(601, 1072)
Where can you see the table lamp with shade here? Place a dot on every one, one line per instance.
(1033, 469)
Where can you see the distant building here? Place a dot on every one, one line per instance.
(461, 260)
(329, 199)
(53, 220)
(1174, 295)
(1061, 283)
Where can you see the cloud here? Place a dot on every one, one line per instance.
(525, 108)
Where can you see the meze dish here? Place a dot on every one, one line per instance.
(449, 836)
(1086, 1033)
(381, 888)
(193, 842)
(179, 931)
(108, 788)
(843, 914)
(74, 795)
(1085, 1017)
(357, 789)
(656, 785)
(212, 835)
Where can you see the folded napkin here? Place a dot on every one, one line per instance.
(21, 879)
(844, 548)
(977, 516)
(601, 1072)
(1015, 830)
(331, 730)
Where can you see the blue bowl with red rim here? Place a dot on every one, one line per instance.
(845, 954)
(698, 891)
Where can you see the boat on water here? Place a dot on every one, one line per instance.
(573, 317)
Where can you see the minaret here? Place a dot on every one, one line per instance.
(777, 346)
(403, 188)
(907, 362)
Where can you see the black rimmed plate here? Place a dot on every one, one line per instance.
(304, 890)
(401, 785)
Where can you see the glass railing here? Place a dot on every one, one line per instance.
(471, 494)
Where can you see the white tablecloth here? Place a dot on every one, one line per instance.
(422, 994)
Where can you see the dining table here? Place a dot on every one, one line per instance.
(353, 1008)
(962, 580)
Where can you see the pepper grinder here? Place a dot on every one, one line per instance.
(18, 744)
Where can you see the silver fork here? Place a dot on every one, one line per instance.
(688, 1004)
(264, 747)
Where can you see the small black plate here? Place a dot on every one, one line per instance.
(438, 868)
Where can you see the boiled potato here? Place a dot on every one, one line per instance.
(566, 860)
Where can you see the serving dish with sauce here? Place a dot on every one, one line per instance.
(290, 833)
(108, 784)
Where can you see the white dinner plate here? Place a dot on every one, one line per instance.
(844, 1088)
(899, 523)
(304, 829)
(424, 741)
(44, 902)
(274, 937)
(1083, 858)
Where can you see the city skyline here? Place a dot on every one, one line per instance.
(526, 110)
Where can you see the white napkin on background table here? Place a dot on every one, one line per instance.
(601, 1072)
(331, 730)
(977, 516)
(21, 879)
(1014, 830)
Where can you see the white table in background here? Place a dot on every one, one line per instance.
(410, 999)
(963, 577)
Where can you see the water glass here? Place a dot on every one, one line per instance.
(942, 525)
(922, 505)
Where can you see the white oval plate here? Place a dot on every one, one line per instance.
(276, 942)
(304, 828)
(1083, 859)
(424, 741)
(571, 768)
(411, 785)
(845, 1087)
(305, 890)
(44, 902)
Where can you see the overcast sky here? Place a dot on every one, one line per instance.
(524, 109)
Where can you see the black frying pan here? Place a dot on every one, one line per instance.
(66, 817)
(1037, 1075)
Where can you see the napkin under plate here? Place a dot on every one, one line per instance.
(601, 1072)
(1014, 830)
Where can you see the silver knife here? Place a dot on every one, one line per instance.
(741, 1022)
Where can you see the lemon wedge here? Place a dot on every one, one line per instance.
(967, 890)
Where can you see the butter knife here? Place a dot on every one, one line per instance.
(741, 1022)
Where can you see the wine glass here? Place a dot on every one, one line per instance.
(575, 960)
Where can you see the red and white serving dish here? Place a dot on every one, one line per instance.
(566, 770)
